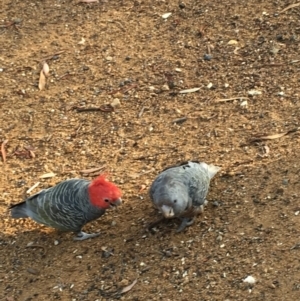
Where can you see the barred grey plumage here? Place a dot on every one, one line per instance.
(68, 205)
(180, 191)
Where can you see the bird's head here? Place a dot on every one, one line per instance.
(173, 201)
(104, 194)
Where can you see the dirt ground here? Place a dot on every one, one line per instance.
(244, 58)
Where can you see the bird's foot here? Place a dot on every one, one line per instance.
(185, 222)
(83, 236)
(153, 224)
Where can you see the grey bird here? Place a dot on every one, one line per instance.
(70, 205)
(180, 191)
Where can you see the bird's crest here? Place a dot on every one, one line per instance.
(101, 190)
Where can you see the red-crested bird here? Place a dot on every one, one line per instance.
(70, 205)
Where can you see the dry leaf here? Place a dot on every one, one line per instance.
(42, 80)
(128, 288)
(189, 90)
(33, 271)
(46, 68)
(92, 170)
(273, 136)
(48, 175)
(289, 7)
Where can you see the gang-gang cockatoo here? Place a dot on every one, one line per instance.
(180, 191)
(71, 204)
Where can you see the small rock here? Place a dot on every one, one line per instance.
(209, 86)
(250, 280)
(115, 103)
(165, 87)
(166, 15)
(124, 282)
(254, 92)
(219, 238)
(216, 204)
(56, 242)
(244, 104)
(207, 57)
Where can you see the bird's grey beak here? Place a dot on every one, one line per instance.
(116, 203)
(167, 211)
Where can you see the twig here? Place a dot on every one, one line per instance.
(53, 55)
(33, 187)
(229, 99)
(65, 75)
(289, 7)
(3, 152)
(92, 170)
(274, 136)
(141, 112)
(103, 108)
(180, 120)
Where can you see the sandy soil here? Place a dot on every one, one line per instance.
(245, 59)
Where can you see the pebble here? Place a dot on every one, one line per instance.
(56, 242)
(207, 57)
(250, 280)
(209, 86)
(216, 204)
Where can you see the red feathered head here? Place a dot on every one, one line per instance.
(104, 194)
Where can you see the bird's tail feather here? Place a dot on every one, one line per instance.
(211, 169)
(19, 210)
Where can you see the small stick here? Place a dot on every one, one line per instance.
(3, 152)
(92, 170)
(53, 55)
(64, 75)
(33, 187)
(233, 98)
(180, 120)
(289, 7)
(103, 108)
(141, 112)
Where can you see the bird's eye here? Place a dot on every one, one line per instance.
(175, 201)
(106, 200)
